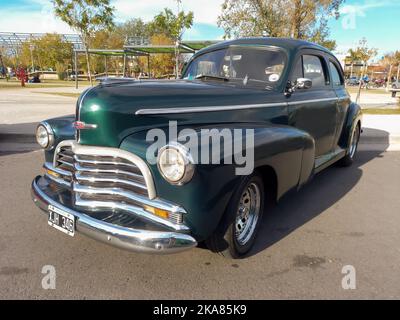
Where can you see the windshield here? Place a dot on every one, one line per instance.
(258, 67)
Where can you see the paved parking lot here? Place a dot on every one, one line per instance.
(345, 216)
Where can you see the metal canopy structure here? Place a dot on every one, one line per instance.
(156, 49)
(183, 47)
(14, 40)
(109, 53)
(136, 47)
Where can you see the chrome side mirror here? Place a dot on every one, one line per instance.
(303, 83)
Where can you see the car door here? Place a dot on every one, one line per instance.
(344, 98)
(314, 110)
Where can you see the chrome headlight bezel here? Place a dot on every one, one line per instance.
(187, 159)
(50, 135)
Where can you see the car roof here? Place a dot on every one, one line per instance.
(286, 43)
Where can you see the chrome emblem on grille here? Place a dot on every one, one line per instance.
(80, 125)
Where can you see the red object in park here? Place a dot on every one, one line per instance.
(21, 75)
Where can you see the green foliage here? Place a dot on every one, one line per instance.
(299, 19)
(362, 53)
(85, 16)
(170, 24)
(47, 52)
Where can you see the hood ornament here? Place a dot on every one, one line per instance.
(80, 125)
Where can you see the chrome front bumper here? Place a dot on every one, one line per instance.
(137, 240)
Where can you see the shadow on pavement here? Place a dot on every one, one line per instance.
(322, 192)
(17, 138)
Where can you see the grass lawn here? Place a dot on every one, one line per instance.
(363, 91)
(381, 111)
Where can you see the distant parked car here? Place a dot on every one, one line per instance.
(81, 75)
(353, 81)
(396, 85)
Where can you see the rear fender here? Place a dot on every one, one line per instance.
(354, 115)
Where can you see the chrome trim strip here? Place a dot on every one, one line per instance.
(81, 177)
(156, 242)
(81, 101)
(115, 163)
(207, 109)
(49, 166)
(78, 167)
(78, 116)
(113, 152)
(311, 101)
(129, 195)
(225, 108)
(59, 181)
(69, 164)
(137, 211)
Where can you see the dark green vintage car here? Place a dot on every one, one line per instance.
(101, 180)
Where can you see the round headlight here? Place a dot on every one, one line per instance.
(44, 135)
(175, 164)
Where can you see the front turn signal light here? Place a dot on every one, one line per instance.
(158, 212)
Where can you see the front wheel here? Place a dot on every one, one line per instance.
(236, 234)
(352, 150)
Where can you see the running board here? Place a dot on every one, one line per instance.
(325, 161)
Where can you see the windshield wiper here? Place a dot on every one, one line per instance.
(209, 76)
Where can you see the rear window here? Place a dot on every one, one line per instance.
(337, 79)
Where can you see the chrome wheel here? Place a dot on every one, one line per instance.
(354, 142)
(247, 214)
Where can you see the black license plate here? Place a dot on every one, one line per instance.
(61, 220)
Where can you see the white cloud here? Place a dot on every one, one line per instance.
(205, 11)
(23, 19)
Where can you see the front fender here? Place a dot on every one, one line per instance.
(289, 151)
(63, 130)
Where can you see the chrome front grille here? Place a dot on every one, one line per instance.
(112, 179)
(102, 172)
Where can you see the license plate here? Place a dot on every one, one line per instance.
(61, 220)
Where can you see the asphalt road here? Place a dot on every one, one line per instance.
(345, 216)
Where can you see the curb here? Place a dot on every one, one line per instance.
(388, 140)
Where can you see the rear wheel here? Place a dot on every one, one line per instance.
(236, 234)
(352, 150)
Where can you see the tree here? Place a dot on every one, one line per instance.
(299, 19)
(363, 54)
(47, 52)
(163, 63)
(389, 60)
(86, 17)
(353, 58)
(173, 26)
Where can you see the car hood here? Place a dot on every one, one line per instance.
(113, 107)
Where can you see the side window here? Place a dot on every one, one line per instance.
(336, 75)
(298, 70)
(314, 70)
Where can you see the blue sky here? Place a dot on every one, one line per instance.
(376, 20)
